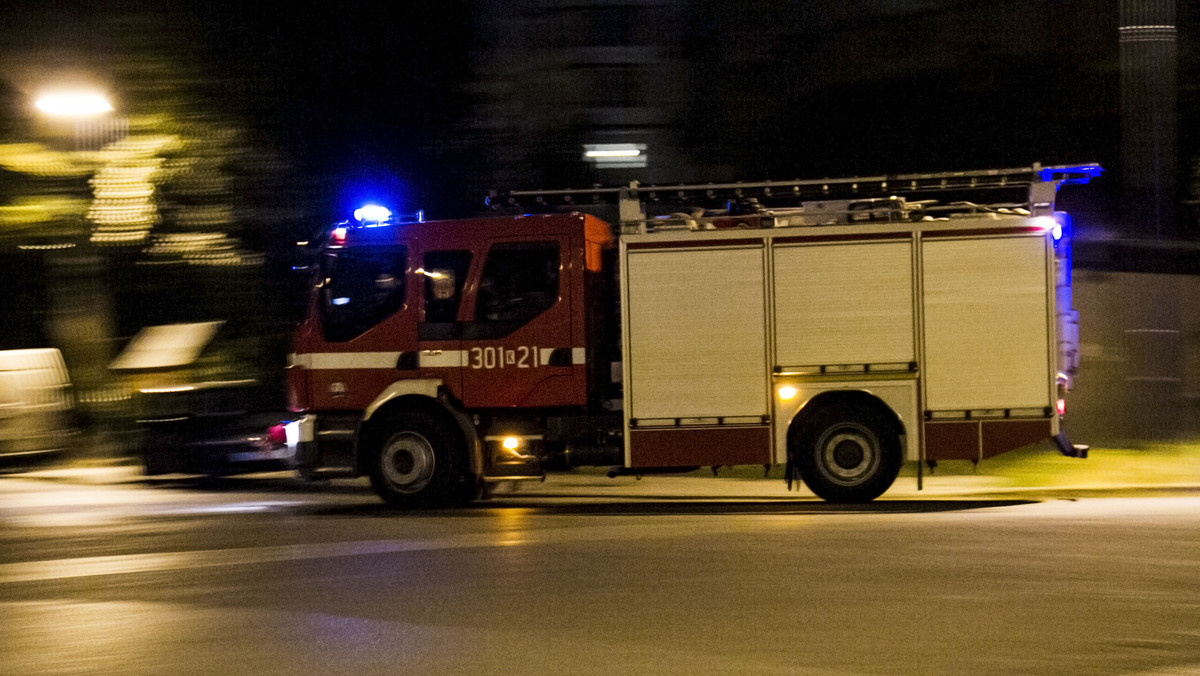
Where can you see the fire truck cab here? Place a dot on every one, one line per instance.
(838, 328)
(447, 330)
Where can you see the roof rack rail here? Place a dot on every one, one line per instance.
(1040, 184)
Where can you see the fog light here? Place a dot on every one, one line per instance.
(511, 443)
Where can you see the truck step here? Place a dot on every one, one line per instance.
(518, 477)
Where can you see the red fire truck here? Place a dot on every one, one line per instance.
(836, 327)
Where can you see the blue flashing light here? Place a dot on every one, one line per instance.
(342, 300)
(1062, 225)
(1070, 175)
(372, 213)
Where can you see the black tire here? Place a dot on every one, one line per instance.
(154, 462)
(160, 452)
(847, 455)
(417, 460)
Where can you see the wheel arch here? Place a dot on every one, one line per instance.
(860, 400)
(418, 396)
(428, 388)
(866, 424)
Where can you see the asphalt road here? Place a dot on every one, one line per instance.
(270, 576)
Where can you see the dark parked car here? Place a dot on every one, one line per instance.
(203, 402)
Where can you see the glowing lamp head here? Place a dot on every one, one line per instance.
(1061, 407)
(338, 236)
(372, 213)
(74, 104)
(787, 392)
(511, 443)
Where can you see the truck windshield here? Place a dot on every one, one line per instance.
(359, 289)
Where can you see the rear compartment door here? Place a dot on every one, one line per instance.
(987, 323)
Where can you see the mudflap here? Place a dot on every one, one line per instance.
(1067, 448)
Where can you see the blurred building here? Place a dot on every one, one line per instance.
(1139, 372)
(551, 78)
(719, 90)
(1149, 86)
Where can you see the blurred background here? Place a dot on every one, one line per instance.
(160, 160)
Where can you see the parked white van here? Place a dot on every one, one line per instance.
(36, 404)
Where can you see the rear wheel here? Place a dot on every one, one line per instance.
(417, 461)
(847, 455)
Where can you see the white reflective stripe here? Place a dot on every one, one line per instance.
(387, 360)
(325, 361)
(443, 358)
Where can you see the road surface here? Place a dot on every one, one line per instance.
(272, 576)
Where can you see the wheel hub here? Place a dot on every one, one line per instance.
(848, 454)
(408, 462)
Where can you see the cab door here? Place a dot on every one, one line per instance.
(442, 276)
(517, 342)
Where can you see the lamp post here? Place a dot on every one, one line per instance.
(81, 321)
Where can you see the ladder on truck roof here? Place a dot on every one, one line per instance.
(1032, 189)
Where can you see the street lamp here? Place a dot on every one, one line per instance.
(89, 112)
(74, 104)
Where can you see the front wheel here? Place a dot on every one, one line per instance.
(847, 455)
(417, 461)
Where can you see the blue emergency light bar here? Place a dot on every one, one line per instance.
(1077, 175)
(372, 213)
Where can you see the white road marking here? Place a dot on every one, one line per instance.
(59, 569)
(124, 564)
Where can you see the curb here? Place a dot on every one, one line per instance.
(127, 471)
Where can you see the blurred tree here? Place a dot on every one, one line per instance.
(149, 226)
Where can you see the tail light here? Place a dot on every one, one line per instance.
(277, 435)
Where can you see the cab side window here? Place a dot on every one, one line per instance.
(444, 273)
(520, 281)
(359, 289)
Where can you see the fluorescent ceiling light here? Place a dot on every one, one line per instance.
(615, 155)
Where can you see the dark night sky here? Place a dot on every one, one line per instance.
(372, 93)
